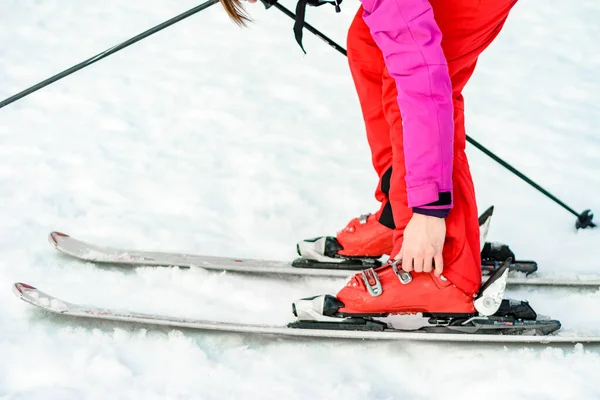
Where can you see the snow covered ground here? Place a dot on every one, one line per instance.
(207, 138)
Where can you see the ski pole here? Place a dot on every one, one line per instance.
(584, 219)
(107, 52)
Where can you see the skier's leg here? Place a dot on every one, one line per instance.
(468, 27)
(372, 235)
(366, 65)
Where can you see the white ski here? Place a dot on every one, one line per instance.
(51, 304)
(131, 258)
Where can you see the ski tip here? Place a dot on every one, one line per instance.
(21, 287)
(53, 237)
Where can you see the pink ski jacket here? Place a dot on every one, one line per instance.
(410, 41)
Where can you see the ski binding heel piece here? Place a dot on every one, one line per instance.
(490, 295)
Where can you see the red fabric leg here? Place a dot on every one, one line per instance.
(367, 66)
(468, 27)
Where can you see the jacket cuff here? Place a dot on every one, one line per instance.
(432, 212)
(428, 196)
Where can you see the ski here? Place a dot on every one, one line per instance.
(323, 252)
(130, 258)
(355, 329)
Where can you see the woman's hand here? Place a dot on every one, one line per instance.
(423, 244)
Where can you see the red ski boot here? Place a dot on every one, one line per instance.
(438, 307)
(357, 246)
(389, 290)
(365, 237)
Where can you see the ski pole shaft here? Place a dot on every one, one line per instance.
(520, 174)
(107, 53)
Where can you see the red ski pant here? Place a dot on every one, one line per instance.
(468, 27)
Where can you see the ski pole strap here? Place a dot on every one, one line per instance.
(301, 16)
(269, 3)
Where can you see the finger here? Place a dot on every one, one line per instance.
(407, 264)
(398, 258)
(428, 264)
(439, 264)
(418, 264)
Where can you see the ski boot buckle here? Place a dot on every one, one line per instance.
(404, 277)
(375, 288)
(363, 218)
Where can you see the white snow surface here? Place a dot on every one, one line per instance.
(210, 139)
